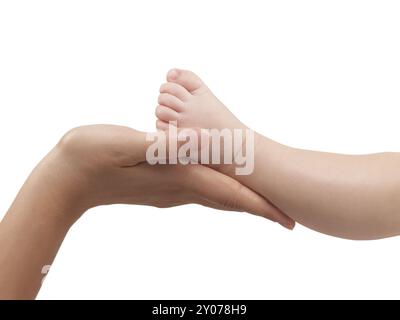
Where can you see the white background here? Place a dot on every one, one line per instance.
(313, 74)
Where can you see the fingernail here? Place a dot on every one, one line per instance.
(288, 225)
(173, 74)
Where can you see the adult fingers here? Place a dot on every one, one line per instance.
(228, 194)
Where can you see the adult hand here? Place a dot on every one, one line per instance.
(106, 164)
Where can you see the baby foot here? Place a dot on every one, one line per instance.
(186, 100)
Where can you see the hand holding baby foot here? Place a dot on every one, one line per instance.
(112, 167)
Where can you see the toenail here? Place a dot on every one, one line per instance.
(173, 74)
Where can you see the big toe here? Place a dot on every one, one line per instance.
(187, 79)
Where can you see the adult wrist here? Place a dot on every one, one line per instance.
(59, 188)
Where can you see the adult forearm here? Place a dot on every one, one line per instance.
(35, 226)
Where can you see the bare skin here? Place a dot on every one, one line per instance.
(354, 197)
(97, 165)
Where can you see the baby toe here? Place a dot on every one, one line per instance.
(166, 114)
(187, 79)
(176, 90)
(162, 125)
(171, 101)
